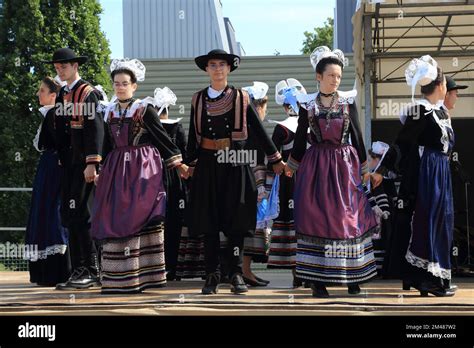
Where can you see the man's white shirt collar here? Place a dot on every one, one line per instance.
(213, 93)
(69, 88)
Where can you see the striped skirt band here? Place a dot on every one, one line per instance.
(282, 252)
(190, 256)
(257, 246)
(134, 264)
(337, 262)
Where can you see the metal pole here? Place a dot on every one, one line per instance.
(367, 75)
(468, 239)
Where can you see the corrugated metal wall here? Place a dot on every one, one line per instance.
(172, 28)
(184, 78)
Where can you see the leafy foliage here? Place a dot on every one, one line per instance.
(322, 36)
(30, 31)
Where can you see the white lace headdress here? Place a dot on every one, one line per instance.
(164, 97)
(421, 71)
(322, 52)
(134, 65)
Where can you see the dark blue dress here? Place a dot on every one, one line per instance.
(45, 237)
(421, 155)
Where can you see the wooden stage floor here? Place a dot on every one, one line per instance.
(380, 297)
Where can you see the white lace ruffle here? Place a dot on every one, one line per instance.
(37, 136)
(112, 107)
(432, 267)
(43, 254)
(347, 97)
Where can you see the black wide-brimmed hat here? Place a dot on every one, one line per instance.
(65, 55)
(232, 59)
(451, 84)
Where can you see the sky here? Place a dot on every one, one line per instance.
(263, 27)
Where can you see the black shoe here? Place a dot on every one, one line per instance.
(407, 284)
(297, 282)
(81, 278)
(262, 280)
(426, 289)
(319, 290)
(251, 282)
(211, 285)
(307, 285)
(452, 288)
(88, 280)
(448, 286)
(237, 284)
(171, 275)
(353, 289)
(74, 275)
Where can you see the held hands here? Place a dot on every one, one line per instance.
(279, 167)
(366, 178)
(288, 171)
(90, 173)
(183, 170)
(375, 179)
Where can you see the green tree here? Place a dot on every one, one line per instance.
(322, 36)
(30, 31)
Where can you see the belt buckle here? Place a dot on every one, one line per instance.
(222, 144)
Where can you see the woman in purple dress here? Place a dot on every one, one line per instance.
(333, 218)
(130, 200)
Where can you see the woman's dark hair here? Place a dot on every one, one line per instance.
(130, 73)
(429, 89)
(260, 102)
(163, 112)
(374, 155)
(321, 66)
(52, 85)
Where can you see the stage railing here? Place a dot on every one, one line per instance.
(8, 263)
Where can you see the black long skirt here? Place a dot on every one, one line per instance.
(176, 194)
(51, 271)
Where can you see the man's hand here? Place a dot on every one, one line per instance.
(375, 179)
(366, 178)
(279, 167)
(183, 170)
(90, 173)
(288, 171)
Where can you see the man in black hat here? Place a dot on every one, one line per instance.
(452, 93)
(223, 195)
(80, 134)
